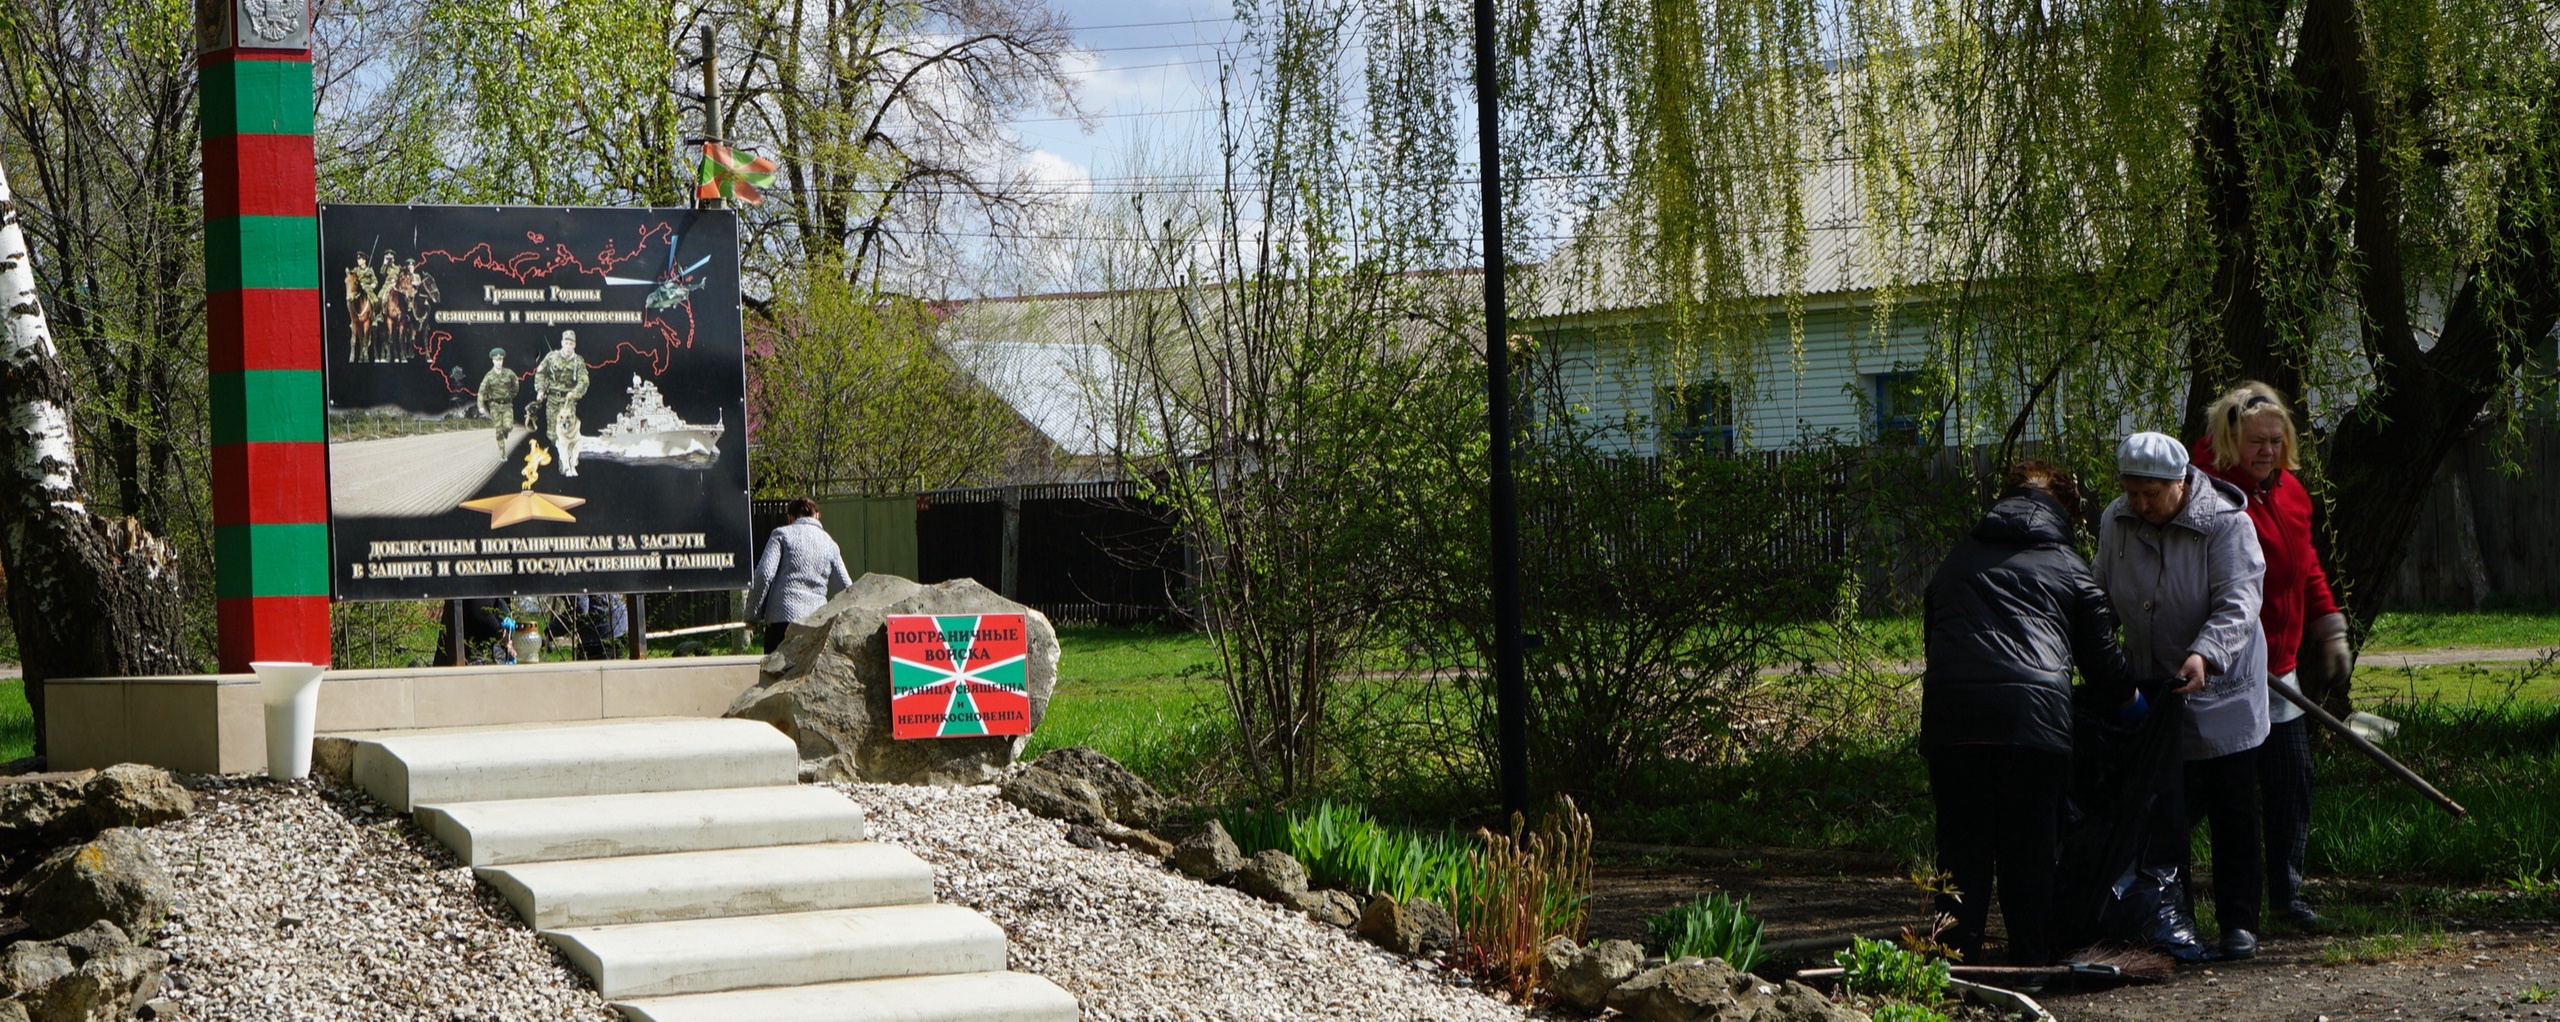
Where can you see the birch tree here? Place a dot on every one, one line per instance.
(90, 596)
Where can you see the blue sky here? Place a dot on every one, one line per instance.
(1150, 71)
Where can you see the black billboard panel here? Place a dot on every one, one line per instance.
(533, 401)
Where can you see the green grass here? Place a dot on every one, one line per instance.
(2384, 947)
(2513, 628)
(17, 726)
(2501, 762)
(1143, 696)
(2378, 688)
(1108, 653)
(1868, 794)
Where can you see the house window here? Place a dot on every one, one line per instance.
(1899, 407)
(1698, 416)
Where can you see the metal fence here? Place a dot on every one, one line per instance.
(1074, 551)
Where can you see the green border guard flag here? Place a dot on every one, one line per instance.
(958, 676)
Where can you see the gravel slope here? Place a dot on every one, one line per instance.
(1135, 941)
(300, 901)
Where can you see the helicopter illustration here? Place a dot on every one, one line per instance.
(672, 288)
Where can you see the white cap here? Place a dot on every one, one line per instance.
(2152, 456)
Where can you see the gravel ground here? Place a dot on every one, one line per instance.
(301, 901)
(1133, 940)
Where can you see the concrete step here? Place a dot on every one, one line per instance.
(405, 769)
(643, 823)
(702, 885)
(965, 997)
(705, 955)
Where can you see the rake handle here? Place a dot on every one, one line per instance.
(2371, 751)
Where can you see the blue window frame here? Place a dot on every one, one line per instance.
(1698, 415)
(1899, 408)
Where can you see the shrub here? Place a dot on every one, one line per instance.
(1898, 1011)
(1879, 969)
(1529, 888)
(1342, 846)
(1710, 927)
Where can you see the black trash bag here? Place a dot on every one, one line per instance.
(2120, 879)
(2150, 910)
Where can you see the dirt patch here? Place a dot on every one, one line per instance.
(2501, 974)
(2492, 973)
(1791, 906)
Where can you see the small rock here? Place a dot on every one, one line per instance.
(133, 795)
(1273, 876)
(1144, 842)
(1585, 981)
(1414, 928)
(105, 988)
(1082, 836)
(1708, 991)
(1054, 795)
(1209, 854)
(1797, 1002)
(32, 965)
(1126, 797)
(113, 878)
(161, 1010)
(98, 938)
(1558, 953)
(1330, 907)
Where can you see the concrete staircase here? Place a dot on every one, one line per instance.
(679, 863)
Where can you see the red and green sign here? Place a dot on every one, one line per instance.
(958, 676)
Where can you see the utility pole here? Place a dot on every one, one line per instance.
(1510, 685)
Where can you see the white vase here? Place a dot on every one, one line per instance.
(291, 691)
(528, 647)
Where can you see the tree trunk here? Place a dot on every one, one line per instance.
(91, 597)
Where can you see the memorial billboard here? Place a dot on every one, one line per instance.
(533, 401)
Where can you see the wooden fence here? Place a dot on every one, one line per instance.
(2485, 533)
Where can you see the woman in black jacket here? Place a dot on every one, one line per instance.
(2009, 614)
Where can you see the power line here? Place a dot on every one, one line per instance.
(1154, 24)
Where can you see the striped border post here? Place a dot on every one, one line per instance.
(262, 329)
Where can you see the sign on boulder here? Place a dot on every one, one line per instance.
(830, 685)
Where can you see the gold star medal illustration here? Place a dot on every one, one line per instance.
(526, 504)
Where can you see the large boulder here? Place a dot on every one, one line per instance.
(1693, 991)
(828, 686)
(111, 878)
(1209, 854)
(46, 810)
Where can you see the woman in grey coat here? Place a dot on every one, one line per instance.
(2179, 557)
(800, 569)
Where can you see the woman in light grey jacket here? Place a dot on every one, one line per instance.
(2178, 556)
(801, 568)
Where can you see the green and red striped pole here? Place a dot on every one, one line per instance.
(262, 328)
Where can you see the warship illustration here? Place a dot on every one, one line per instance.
(650, 432)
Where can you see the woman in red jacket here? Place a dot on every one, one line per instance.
(2250, 442)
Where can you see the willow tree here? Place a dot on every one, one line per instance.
(2109, 210)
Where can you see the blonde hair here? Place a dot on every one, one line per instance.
(2224, 417)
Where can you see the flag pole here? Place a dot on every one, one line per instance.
(1511, 691)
